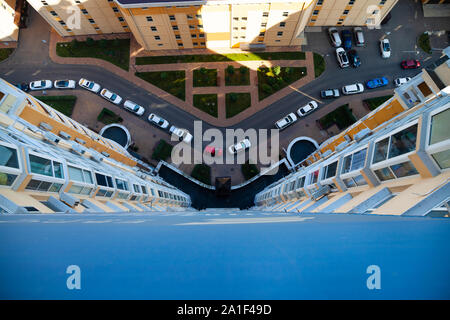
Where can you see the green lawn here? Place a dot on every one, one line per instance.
(424, 42)
(342, 117)
(205, 77)
(5, 53)
(269, 82)
(207, 103)
(162, 151)
(249, 170)
(202, 173)
(237, 76)
(116, 51)
(319, 64)
(63, 104)
(107, 117)
(173, 82)
(236, 103)
(250, 56)
(374, 103)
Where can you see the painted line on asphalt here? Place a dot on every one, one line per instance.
(248, 221)
(305, 94)
(9, 72)
(36, 72)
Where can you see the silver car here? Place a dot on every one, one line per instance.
(335, 37)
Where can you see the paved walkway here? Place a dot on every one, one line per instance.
(221, 120)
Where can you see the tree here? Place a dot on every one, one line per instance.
(203, 71)
(276, 70)
(266, 88)
(103, 43)
(233, 97)
(230, 70)
(74, 43)
(116, 42)
(90, 42)
(243, 70)
(164, 75)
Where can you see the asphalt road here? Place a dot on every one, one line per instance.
(31, 62)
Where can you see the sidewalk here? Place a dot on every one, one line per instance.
(221, 121)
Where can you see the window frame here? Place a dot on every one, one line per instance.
(437, 147)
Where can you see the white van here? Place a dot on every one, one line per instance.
(353, 88)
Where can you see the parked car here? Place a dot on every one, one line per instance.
(353, 88)
(89, 85)
(160, 122)
(385, 48)
(329, 93)
(399, 81)
(240, 146)
(213, 151)
(342, 58)
(308, 108)
(286, 121)
(64, 84)
(23, 86)
(376, 83)
(111, 96)
(334, 37)
(133, 107)
(347, 39)
(183, 135)
(354, 59)
(410, 64)
(40, 85)
(359, 36)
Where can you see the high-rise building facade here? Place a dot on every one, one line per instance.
(162, 25)
(9, 29)
(51, 163)
(395, 160)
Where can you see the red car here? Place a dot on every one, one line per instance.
(410, 64)
(213, 151)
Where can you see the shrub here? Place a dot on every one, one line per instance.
(243, 70)
(233, 97)
(103, 43)
(162, 151)
(74, 44)
(230, 70)
(424, 42)
(249, 170)
(116, 42)
(90, 42)
(276, 70)
(164, 75)
(202, 173)
(203, 70)
(266, 88)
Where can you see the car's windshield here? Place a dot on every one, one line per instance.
(136, 108)
(113, 96)
(62, 83)
(386, 46)
(90, 85)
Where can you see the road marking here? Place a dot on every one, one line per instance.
(9, 72)
(426, 59)
(248, 220)
(305, 94)
(398, 27)
(36, 72)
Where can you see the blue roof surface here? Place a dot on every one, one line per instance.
(223, 255)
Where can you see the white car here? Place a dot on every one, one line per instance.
(64, 84)
(286, 121)
(385, 48)
(111, 96)
(399, 81)
(183, 135)
(310, 107)
(160, 122)
(133, 107)
(342, 58)
(89, 85)
(240, 146)
(40, 85)
(335, 37)
(353, 88)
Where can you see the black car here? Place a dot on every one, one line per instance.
(354, 58)
(23, 86)
(329, 93)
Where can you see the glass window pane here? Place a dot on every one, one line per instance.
(381, 148)
(101, 179)
(144, 189)
(331, 171)
(75, 189)
(8, 157)
(55, 187)
(347, 163)
(33, 185)
(349, 183)
(404, 169)
(87, 177)
(110, 183)
(41, 165)
(384, 174)
(100, 193)
(44, 186)
(7, 179)
(440, 129)
(75, 174)
(442, 158)
(403, 142)
(358, 159)
(359, 180)
(120, 184)
(58, 169)
(86, 191)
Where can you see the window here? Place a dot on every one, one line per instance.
(202, 43)
(351, 2)
(404, 169)
(261, 34)
(329, 171)
(403, 142)
(39, 185)
(384, 174)
(172, 18)
(244, 18)
(280, 33)
(382, 2)
(264, 24)
(62, 23)
(442, 158)
(91, 21)
(53, 13)
(8, 157)
(7, 179)
(189, 17)
(235, 18)
(144, 189)
(136, 188)
(439, 128)
(201, 35)
(175, 28)
(157, 38)
(381, 149)
(191, 27)
(115, 9)
(315, 12)
(282, 24)
(180, 44)
(319, 2)
(103, 180)
(265, 14)
(424, 89)
(121, 184)
(198, 16)
(193, 36)
(45, 167)
(149, 18)
(200, 26)
(345, 12)
(84, 11)
(153, 28)
(243, 28)
(354, 161)
(177, 36)
(285, 14)
(121, 19)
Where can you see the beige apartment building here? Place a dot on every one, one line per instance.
(9, 31)
(162, 25)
